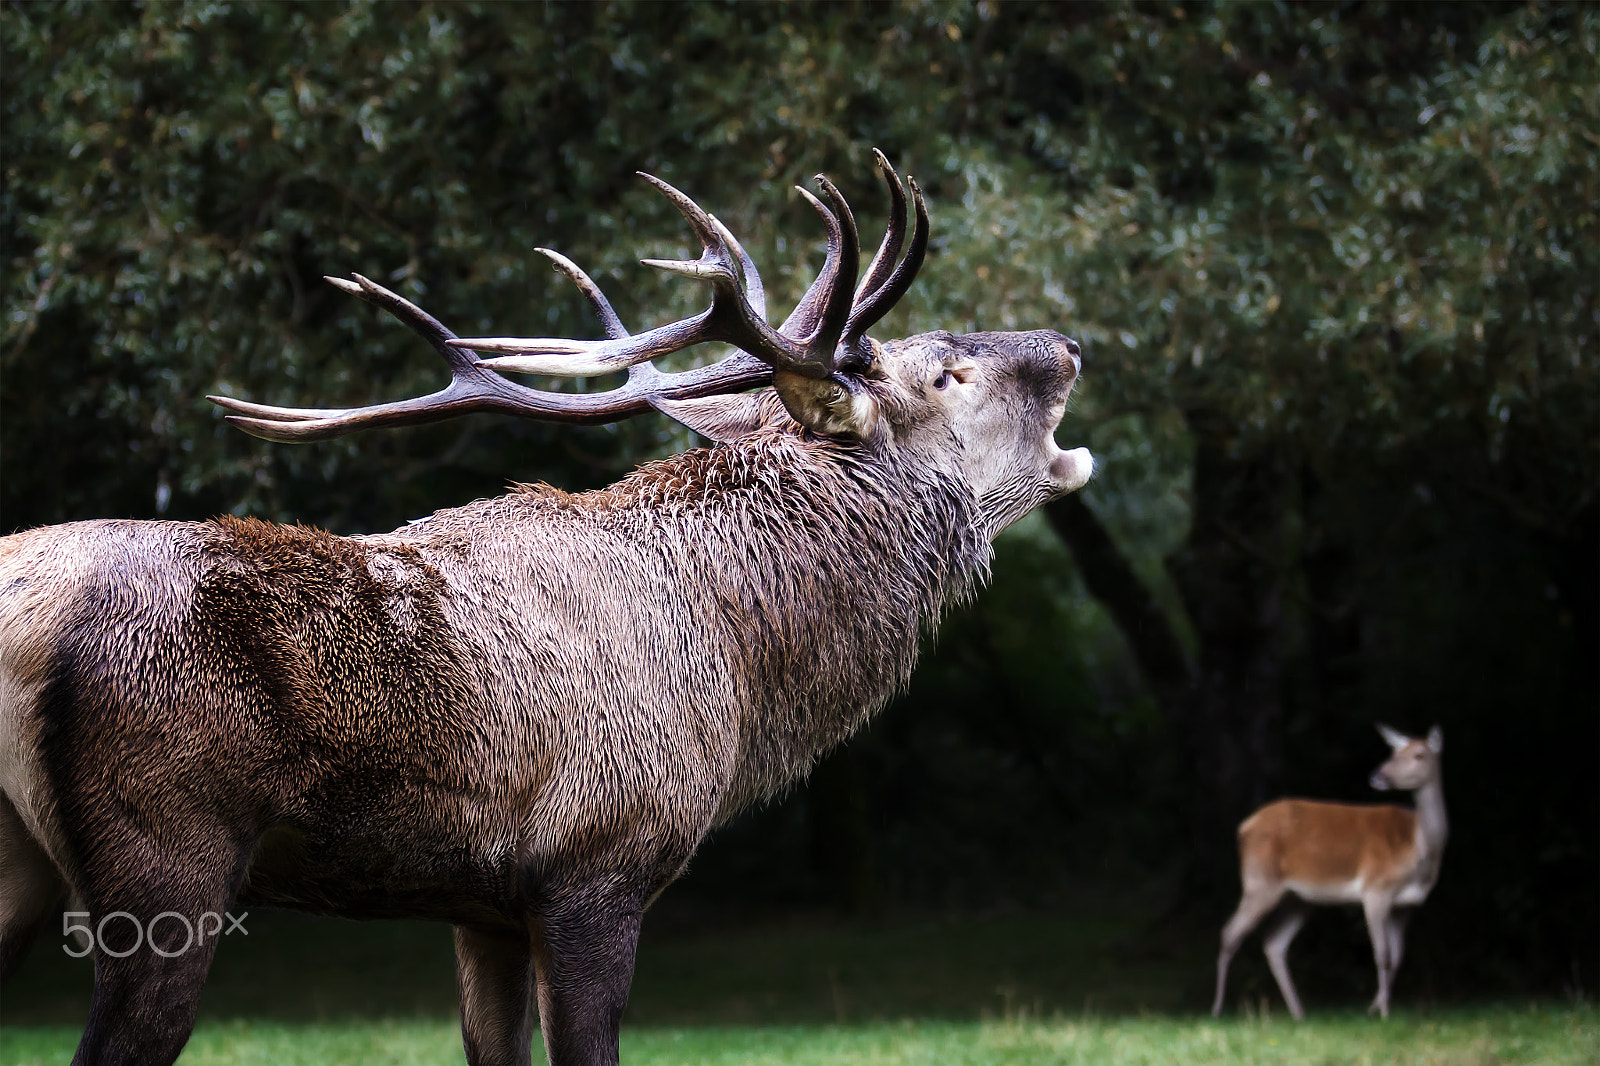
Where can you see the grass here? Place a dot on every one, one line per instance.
(1469, 1037)
(992, 990)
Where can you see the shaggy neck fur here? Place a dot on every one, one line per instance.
(813, 567)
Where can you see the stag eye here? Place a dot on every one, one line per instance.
(942, 382)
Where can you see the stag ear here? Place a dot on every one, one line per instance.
(1394, 737)
(725, 418)
(1436, 740)
(836, 406)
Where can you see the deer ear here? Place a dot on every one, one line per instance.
(1393, 737)
(837, 406)
(725, 418)
(1436, 740)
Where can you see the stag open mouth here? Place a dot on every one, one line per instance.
(1071, 469)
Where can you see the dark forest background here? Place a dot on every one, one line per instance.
(1334, 269)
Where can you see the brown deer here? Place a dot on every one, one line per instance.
(519, 716)
(1294, 853)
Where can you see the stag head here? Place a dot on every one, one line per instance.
(981, 406)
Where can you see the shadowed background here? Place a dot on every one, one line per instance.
(1334, 271)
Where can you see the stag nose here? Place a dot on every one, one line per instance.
(1070, 354)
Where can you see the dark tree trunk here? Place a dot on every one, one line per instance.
(1574, 566)
(1334, 629)
(1231, 576)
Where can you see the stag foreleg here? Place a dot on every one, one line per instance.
(494, 971)
(584, 963)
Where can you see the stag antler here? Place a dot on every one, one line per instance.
(824, 335)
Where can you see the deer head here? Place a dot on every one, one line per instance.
(982, 406)
(1415, 762)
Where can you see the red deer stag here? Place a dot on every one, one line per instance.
(519, 716)
(1295, 853)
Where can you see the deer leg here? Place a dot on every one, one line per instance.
(584, 964)
(29, 887)
(1377, 912)
(155, 912)
(494, 972)
(144, 1005)
(1275, 946)
(1395, 934)
(153, 944)
(1256, 903)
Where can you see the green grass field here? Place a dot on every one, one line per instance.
(1018, 989)
(1475, 1037)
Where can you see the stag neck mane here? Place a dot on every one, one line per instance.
(812, 568)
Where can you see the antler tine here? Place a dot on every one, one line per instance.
(294, 424)
(893, 235)
(612, 324)
(733, 317)
(802, 321)
(824, 311)
(841, 293)
(754, 292)
(866, 314)
(609, 320)
(738, 312)
(716, 259)
(297, 424)
(621, 350)
(430, 328)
